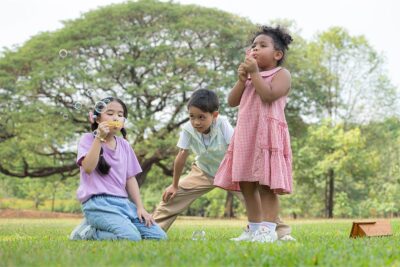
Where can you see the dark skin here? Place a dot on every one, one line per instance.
(263, 56)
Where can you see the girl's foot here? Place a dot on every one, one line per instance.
(76, 233)
(247, 235)
(264, 235)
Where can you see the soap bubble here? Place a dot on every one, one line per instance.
(77, 105)
(100, 107)
(90, 92)
(199, 235)
(87, 69)
(63, 53)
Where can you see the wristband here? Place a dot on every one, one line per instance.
(101, 139)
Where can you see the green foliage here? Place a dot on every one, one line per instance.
(152, 55)
(33, 190)
(50, 194)
(331, 147)
(353, 85)
(384, 140)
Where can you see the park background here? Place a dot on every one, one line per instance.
(343, 113)
(343, 109)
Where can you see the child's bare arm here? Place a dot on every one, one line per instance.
(236, 93)
(179, 164)
(279, 86)
(89, 163)
(132, 188)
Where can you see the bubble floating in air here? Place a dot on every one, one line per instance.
(100, 107)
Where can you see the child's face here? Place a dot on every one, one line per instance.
(264, 52)
(114, 113)
(201, 120)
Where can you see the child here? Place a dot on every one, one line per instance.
(207, 134)
(108, 167)
(258, 161)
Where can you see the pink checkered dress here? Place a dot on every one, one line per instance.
(260, 147)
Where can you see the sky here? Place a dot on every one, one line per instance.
(378, 21)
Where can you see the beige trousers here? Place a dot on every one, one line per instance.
(190, 188)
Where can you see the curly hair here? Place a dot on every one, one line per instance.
(279, 35)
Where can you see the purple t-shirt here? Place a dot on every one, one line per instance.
(123, 162)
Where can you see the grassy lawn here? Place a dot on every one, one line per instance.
(43, 242)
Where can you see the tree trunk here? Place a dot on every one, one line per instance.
(331, 191)
(53, 200)
(326, 198)
(146, 167)
(229, 206)
(37, 202)
(148, 164)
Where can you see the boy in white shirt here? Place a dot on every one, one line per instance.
(208, 135)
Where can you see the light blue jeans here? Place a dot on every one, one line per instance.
(116, 218)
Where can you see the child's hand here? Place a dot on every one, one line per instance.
(103, 129)
(242, 73)
(250, 64)
(169, 193)
(145, 216)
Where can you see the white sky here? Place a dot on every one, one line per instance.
(379, 20)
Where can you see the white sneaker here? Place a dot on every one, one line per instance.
(287, 238)
(87, 233)
(76, 233)
(264, 235)
(247, 235)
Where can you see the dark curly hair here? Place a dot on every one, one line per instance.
(279, 35)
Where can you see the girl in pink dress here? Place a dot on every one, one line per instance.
(258, 161)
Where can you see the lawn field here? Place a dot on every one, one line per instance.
(44, 242)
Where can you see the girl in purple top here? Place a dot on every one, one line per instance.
(108, 189)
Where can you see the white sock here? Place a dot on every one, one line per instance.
(254, 226)
(270, 225)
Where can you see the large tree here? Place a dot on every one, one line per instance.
(150, 54)
(328, 150)
(355, 86)
(354, 89)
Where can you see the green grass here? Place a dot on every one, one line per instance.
(38, 242)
